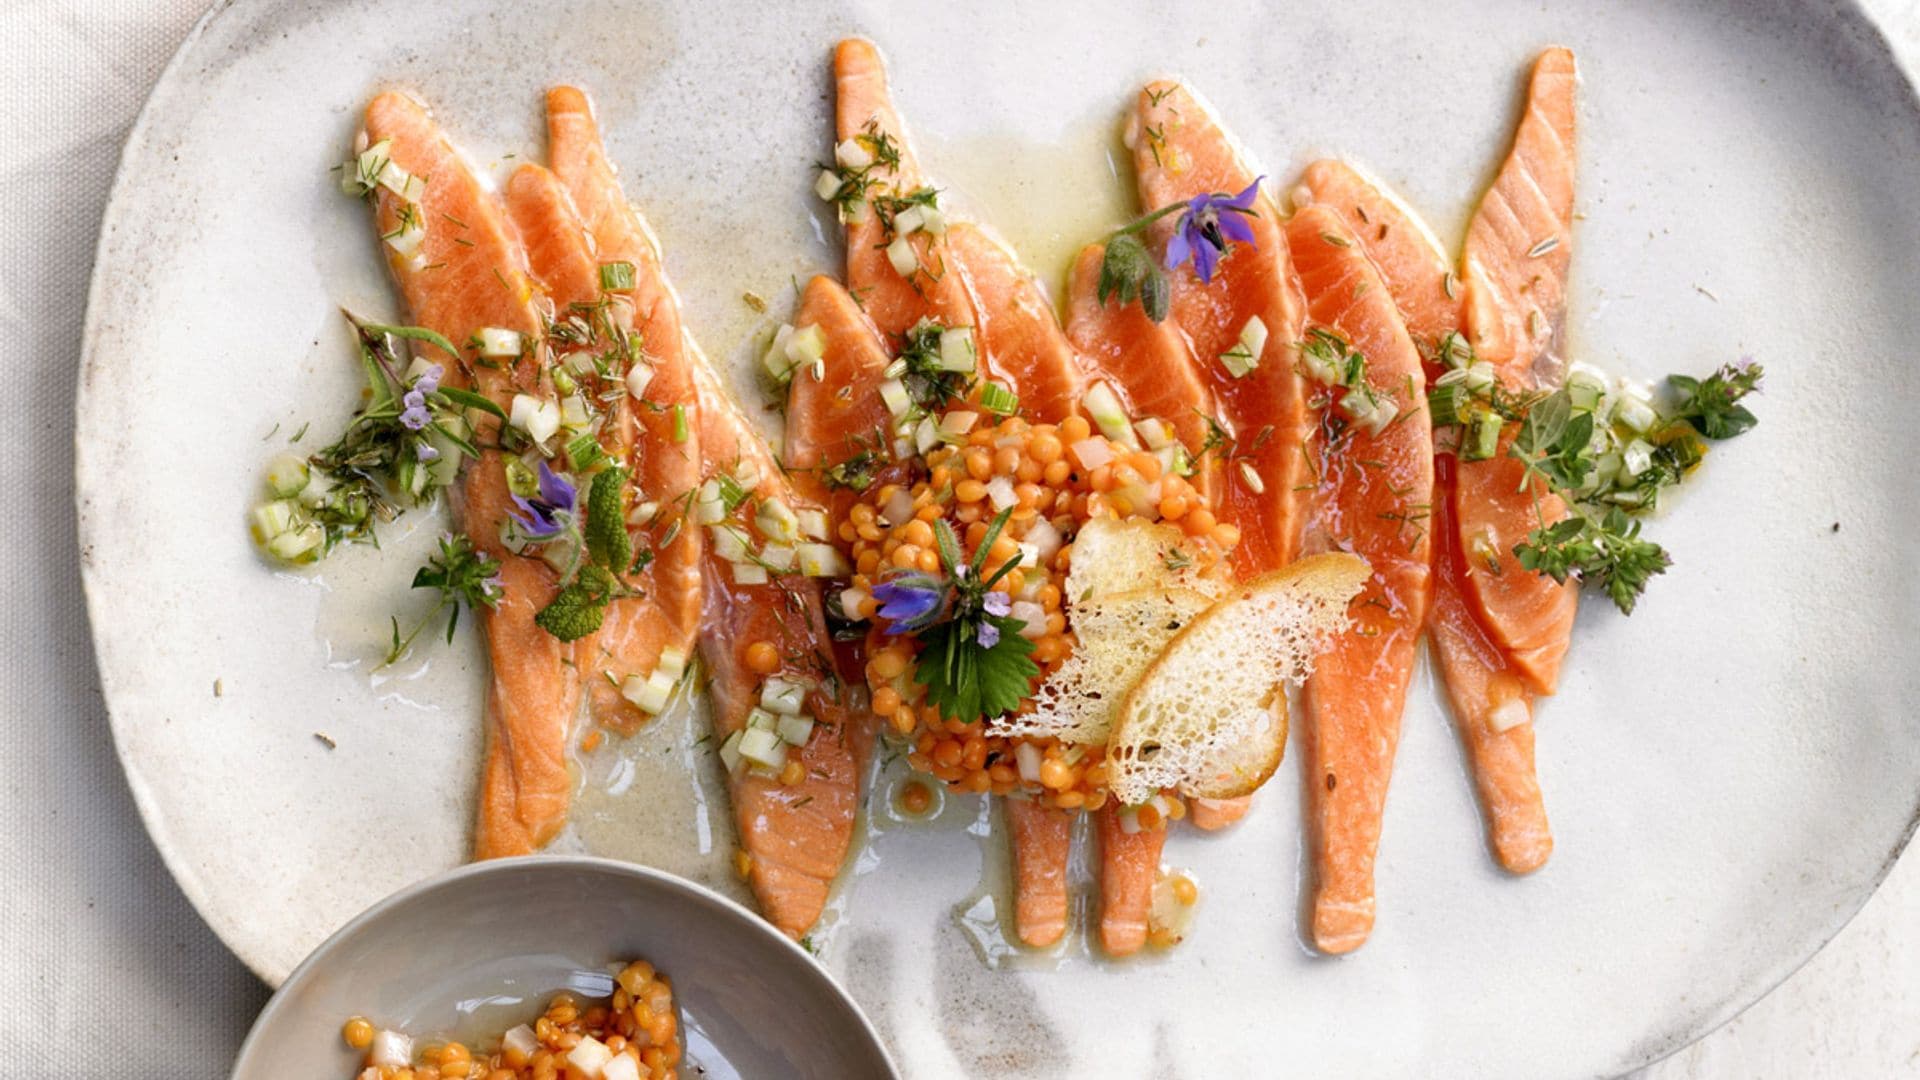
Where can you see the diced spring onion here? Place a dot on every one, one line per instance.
(795, 730)
(673, 663)
(806, 344)
(901, 254)
(1636, 458)
(1239, 360)
(730, 751)
(616, 276)
(1092, 453)
(1254, 337)
(1448, 404)
(783, 696)
(1104, 405)
(910, 220)
(827, 184)
(762, 746)
(933, 221)
(287, 475)
(852, 154)
(297, 544)
(894, 393)
(589, 1056)
(1359, 407)
(585, 453)
(746, 573)
(1029, 757)
(680, 431)
(778, 558)
(1485, 438)
(271, 519)
(1634, 413)
(822, 560)
(852, 601)
(957, 351)
(390, 1049)
(1479, 377)
(650, 694)
(1155, 432)
(573, 412)
(732, 493)
(957, 423)
(777, 521)
(708, 508)
(814, 523)
(761, 719)
(728, 543)
(495, 342)
(775, 361)
(638, 378)
(1382, 414)
(998, 399)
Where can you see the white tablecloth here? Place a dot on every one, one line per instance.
(105, 971)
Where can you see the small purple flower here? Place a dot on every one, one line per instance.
(414, 416)
(908, 600)
(998, 603)
(1209, 224)
(540, 516)
(425, 452)
(987, 634)
(429, 380)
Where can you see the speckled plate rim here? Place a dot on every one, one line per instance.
(463, 877)
(1656, 1049)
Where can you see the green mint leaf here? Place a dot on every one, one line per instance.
(580, 608)
(606, 527)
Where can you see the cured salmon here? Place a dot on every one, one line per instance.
(1180, 151)
(864, 115)
(666, 613)
(1373, 494)
(795, 830)
(1021, 344)
(1513, 272)
(471, 274)
(1491, 695)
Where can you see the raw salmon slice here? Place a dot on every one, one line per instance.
(1490, 704)
(1020, 340)
(667, 613)
(1411, 261)
(471, 274)
(1180, 150)
(1373, 496)
(1042, 838)
(864, 113)
(1514, 273)
(795, 835)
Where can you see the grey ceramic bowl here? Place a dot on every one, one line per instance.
(481, 948)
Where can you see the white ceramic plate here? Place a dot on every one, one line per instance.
(1729, 772)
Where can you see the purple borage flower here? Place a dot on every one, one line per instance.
(909, 601)
(995, 603)
(1209, 224)
(539, 516)
(415, 416)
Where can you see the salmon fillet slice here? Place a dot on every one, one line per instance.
(1020, 340)
(1180, 150)
(864, 111)
(1129, 866)
(1373, 495)
(1483, 689)
(796, 836)
(667, 613)
(1042, 838)
(1514, 270)
(1410, 258)
(471, 274)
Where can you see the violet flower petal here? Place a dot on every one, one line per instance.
(554, 489)
(1178, 250)
(997, 603)
(1244, 200)
(1234, 227)
(1205, 258)
(987, 634)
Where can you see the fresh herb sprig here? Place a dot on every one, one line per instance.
(461, 576)
(1208, 228)
(973, 661)
(928, 383)
(1606, 460)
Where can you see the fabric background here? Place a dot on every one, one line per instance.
(105, 970)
